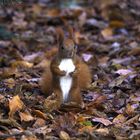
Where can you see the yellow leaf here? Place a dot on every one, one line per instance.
(25, 116)
(10, 82)
(107, 32)
(119, 119)
(15, 104)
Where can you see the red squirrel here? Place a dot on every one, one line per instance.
(67, 74)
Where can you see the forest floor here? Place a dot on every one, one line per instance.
(108, 37)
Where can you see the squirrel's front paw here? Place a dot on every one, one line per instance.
(63, 73)
(74, 73)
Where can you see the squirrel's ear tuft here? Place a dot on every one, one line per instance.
(60, 36)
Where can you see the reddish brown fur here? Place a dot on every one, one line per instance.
(81, 76)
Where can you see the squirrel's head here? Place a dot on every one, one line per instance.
(67, 45)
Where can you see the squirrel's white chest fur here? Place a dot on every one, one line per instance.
(66, 81)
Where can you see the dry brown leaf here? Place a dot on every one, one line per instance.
(30, 137)
(34, 57)
(87, 129)
(50, 104)
(40, 114)
(116, 24)
(103, 60)
(15, 104)
(26, 116)
(103, 131)
(39, 123)
(119, 119)
(81, 39)
(19, 23)
(53, 13)
(129, 109)
(118, 81)
(103, 121)
(64, 136)
(10, 82)
(12, 138)
(36, 8)
(107, 32)
(7, 72)
(99, 100)
(134, 51)
(82, 118)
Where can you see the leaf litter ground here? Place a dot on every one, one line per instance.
(107, 34)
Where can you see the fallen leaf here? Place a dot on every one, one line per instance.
(120, 119)
(26, 116)
(103, 61)
(118, 81)
(87, 57)
(39, 123)
(43, 130)
(103, 131)
(7, 72)
(81, 39)
(123, 71)
(19, 23)
(116, 24)
(135, 98)
(10, 82)
(134, 51)
(87, 123)
(134, 134)
(86, 129)
(107, 32)
(36, 8)
(30, 137)
(103, 121)
(81, 118)
(33, 57)
(15, 104)
(53, 13)
(64, 136)
(129, 109)
(95, 23)
(51, 104)
(40, 114)
(12, 138)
